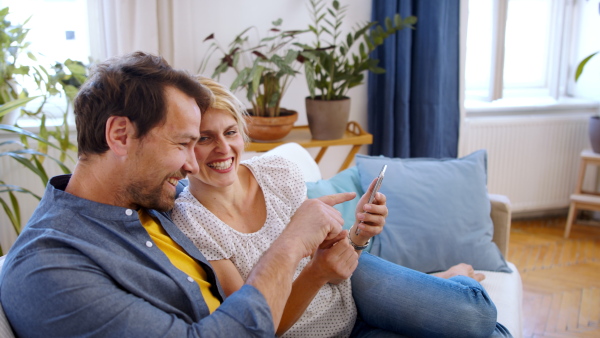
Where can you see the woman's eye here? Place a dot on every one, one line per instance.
(231, 132)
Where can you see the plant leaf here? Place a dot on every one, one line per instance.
(26, 133)
(582, 65)
(12, 105)
(9, 212)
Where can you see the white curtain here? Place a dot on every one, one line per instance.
(159, 27)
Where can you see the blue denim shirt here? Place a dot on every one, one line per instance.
(82, 268)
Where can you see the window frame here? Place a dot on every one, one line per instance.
(562, 38)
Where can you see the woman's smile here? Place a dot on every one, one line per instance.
(221, 165)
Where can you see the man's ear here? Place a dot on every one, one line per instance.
(119, 134)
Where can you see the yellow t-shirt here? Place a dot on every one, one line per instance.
(179, 258)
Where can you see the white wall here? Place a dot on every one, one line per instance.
(228, 18)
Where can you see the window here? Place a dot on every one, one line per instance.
(58, 30)
(522, 48)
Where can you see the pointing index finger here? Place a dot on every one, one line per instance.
(337, 198)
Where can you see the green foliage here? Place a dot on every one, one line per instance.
(582, 65)
(12, 46)
(12, 105)
(52, 79)
(330, 65)
(12, 210)
(32, 160)
(264, 70)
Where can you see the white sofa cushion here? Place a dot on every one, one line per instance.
(297, 154)
(505, 289)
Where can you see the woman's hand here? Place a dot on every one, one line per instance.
(370, 218)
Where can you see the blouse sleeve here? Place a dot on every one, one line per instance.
(283, 178)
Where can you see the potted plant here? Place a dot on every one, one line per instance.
(594, 125)
(32, 148)
(66, 79)
(332, 67)
(264, 71)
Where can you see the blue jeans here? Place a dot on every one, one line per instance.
(394, 301)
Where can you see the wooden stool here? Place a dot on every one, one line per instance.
(584, 200)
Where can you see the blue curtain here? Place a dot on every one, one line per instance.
(413, 108)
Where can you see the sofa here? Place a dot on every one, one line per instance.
(502, 282)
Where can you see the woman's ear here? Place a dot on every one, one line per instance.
(119, 133)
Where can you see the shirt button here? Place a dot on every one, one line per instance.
(190, 279)
(128, 212)
(149, 244)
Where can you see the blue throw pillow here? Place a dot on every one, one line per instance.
(345, 181)
(439, 212)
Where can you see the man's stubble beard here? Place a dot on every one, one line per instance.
(156, 198)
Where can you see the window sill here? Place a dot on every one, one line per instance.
(538, 105)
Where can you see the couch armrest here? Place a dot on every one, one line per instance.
(501, 217)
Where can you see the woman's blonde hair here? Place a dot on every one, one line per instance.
(224, 99)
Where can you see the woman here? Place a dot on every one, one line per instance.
(234, 210)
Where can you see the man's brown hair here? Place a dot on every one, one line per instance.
(133, 86)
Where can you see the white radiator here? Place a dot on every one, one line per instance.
(532, 159)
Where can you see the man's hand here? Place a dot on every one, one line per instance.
(315, 221)
(335, 260)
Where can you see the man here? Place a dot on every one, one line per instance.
(100, 255)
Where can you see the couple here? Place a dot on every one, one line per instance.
(101, 255)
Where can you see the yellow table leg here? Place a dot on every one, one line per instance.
(350, 157)
(320, 154)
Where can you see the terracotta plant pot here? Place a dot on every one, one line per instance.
(270, 129)
(594, 132)
(327, 120)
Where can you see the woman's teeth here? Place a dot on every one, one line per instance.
(221, 165)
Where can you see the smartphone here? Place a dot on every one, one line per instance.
(375, 189)
(377, 184)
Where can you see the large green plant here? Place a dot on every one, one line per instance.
(264, 69)
(32, 160)
(31, 149)
(65, 80)
(331, 66)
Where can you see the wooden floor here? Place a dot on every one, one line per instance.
(561, 277)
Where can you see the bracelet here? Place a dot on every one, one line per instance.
(356, 246)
